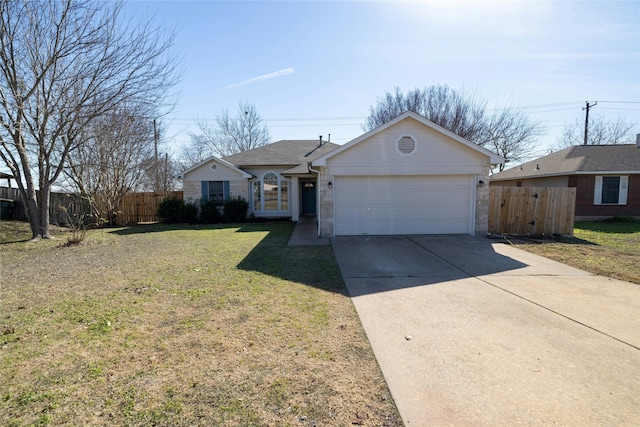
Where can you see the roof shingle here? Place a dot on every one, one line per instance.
(282, 153)
(578, 159)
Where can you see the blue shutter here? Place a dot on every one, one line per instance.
(205, 191)
(225, 190)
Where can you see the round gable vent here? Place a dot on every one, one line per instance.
(406, 145)
(214, 166)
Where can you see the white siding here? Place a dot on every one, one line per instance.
(376, 205)
(435, 153)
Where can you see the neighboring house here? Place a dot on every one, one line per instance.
(408, 176)
(606, 178)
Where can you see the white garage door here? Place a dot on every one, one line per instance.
(403, 205)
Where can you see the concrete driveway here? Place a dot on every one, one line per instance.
(472, 332)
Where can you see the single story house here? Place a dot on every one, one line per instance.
(606, 178)
(408, 176)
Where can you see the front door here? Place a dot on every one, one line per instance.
(309, 198)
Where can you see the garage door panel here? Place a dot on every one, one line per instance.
(402, 205)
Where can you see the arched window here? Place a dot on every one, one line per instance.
(271, 193)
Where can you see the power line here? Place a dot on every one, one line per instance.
(621, 102)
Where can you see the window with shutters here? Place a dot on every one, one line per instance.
(218, 191)
(610, 190)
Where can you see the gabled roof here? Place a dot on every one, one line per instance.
(221, 161)
(282, 153)
(495, 159)
(580, 159)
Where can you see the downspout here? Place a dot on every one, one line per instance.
(317, 197)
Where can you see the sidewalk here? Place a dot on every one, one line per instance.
(306, 233)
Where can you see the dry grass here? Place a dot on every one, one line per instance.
(606, 248)
(182, 326)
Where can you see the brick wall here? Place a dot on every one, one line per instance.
(584, 198)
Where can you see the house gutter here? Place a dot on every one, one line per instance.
(318, 206)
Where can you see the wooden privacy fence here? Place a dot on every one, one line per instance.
(531, 211)
(142, 207)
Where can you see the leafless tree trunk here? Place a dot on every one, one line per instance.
(63, 64)
(228, 135)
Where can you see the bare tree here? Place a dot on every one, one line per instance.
(63, 65)
(228, 135)
(602, 131)
(508, 132)
(117, 157)
(511, 135)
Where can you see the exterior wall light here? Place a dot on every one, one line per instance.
(481, 183)
(330, 184)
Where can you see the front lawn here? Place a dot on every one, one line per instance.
(190, 325)
(608, 248)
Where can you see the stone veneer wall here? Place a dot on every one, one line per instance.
(192, 190)
(326, 204)
(482, 204)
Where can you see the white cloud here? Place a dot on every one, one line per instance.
(261, 78)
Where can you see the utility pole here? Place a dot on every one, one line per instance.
(586, 120)
(155, 168)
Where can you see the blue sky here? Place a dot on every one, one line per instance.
(314, 68)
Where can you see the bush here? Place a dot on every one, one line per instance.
(171, 210)
(235, 209)
(190, 213)
(209, 212)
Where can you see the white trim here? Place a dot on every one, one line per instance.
(279, 211)
(217, 160)
(547, 175)
(472, 203)
(415, 145)
(494, 158)
(597, 191)
(623, 189)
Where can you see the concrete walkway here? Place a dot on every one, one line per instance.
(470, 332)
(305, 233)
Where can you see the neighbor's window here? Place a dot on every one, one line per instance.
(610, 190)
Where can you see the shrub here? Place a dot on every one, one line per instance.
(209, 212)
(171, 210)
(190, 212)
(235, 209)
